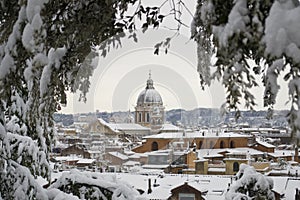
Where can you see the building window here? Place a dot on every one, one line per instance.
(186, 196)
(232, 144)
(211, 144)
(154, 146)
(236, 167)
(221, 144)
(140, 117)
(147, 117)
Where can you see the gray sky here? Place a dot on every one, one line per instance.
(123, 73)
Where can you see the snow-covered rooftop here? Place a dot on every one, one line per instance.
(131, 163)
(206, 153)
(85, 161)
(154, 166)
(198, 134)
(67, 158)
(282, 153)
(127, 126)
(169, 127)
(217, 169)
(286, 186)
(123, 126)
(216, 186)
(118, 155)
(94, 151)
(268, 145)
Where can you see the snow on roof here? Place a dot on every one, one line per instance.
(215, 185)
(128, 152)
(102, 121)
(286, 186)
(168, 126)
(155, 166)
(97, 142)
(118, 155)
(94, 151)
(131, 163)
(162, 153)
(85, 161)
(67, 158)
(205, 153)
(291, 186)
(265, 144)
(216, 169)
(134, 156)
(127, 126)
(198, 134)
(123, 126)
(213, 156)
(282, 153)
(158, 154)
(61, 158)
(200, 160)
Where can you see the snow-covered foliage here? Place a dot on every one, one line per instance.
(242, 30)
(46, 48)
(250, 185)
(88, 185)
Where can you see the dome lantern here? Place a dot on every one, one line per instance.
(149, 82)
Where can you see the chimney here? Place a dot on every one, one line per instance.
(149, 186)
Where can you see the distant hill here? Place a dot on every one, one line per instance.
(65, 119)
(191, 118)
(212, 117)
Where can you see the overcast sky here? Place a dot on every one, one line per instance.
(122, 75)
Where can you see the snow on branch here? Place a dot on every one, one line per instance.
(94, 185)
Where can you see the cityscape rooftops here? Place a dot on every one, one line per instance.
(122, 126)
(196, 134)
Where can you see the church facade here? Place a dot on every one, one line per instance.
(149, 110)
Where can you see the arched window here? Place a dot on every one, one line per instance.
(200, 144)
(232, 144)
(236, 167)
(221, 144)
(211, 144)
(147, 117)
(154, 146)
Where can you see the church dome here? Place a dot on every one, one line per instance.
(149, 95)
